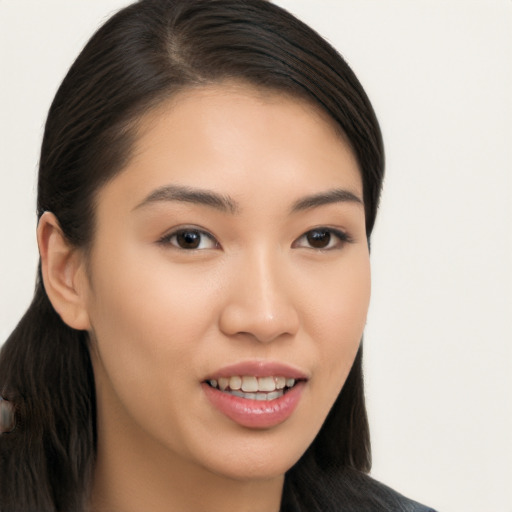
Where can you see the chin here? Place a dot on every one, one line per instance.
(256, 460)
(262, 470)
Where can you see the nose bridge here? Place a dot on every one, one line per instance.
(260, 302)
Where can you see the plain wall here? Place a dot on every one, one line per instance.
(438, 340)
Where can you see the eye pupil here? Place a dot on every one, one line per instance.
(188, 239)
(318, 238)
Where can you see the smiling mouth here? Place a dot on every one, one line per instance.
(254, 388)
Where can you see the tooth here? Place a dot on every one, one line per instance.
(280, 382)
(258, 396)
(249, 383)
(223, 383)
(235, 382)
(213, 383)
(266, 384)
(290, 383)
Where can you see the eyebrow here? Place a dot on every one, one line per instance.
(337, 195)
(224, 203)
(190, 195)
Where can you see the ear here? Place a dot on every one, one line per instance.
(63, 270)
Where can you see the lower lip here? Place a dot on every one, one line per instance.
(255, 413)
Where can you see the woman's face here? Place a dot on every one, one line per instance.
(230, 253)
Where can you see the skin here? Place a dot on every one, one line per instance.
(163, 318)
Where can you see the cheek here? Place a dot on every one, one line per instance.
(144, 314)
(337, 321)
(347, 309)
(338, 299)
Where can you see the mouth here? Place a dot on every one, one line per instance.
(250, 387)
(256, 394)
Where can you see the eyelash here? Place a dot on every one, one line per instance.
(341, 236)
(167, 239)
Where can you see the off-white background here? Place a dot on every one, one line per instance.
(438, 340)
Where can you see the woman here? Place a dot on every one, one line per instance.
(208, 183)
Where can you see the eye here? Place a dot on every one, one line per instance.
(322, 239)
(190, 239)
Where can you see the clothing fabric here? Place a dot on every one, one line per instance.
(349, 491)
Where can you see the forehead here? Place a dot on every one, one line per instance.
(240, 139)
(241, 96)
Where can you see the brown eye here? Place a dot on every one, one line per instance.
(319, 239)
(322, 239)
(190, 239)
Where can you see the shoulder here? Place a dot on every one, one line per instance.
(344, 490)
(370, 495)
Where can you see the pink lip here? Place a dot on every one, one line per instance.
(257, 413)
(260, 369)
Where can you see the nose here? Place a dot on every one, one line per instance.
(260, 301)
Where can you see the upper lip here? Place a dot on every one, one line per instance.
(260, 369)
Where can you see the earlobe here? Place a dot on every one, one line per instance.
(63, 272)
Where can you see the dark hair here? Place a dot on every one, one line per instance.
(144, 54)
